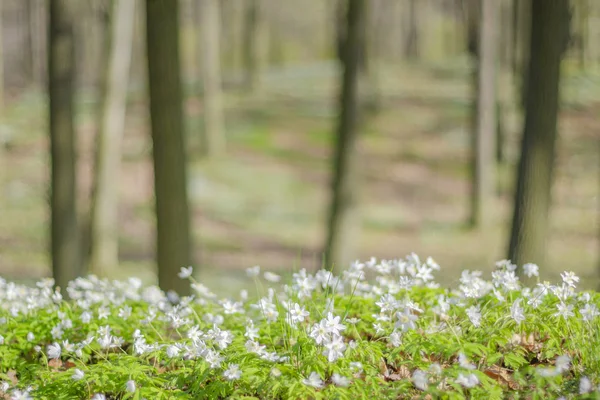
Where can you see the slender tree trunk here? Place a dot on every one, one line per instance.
(38, 26)
(29, 46)
(506, 33)
(61, 68)
(166, 115)
(583, 14)
(104, 247)
(485, 134)
(371, 54)
(340, 10)
(598, 198)
(276, 43)
(549, 33)
(231, 32)
(505, 77)
(411, 46)
(522, 50)
(252, 44)
(2, 56)
(214, 130)
(343, 214)
(198, 45)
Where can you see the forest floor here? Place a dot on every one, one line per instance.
(265, 201)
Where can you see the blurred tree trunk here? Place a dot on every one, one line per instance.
(340, 28)
(549, 36)
(61, 69)
(506, 78)
(214, 131)
(343, 214)
(173, 245)
(583, 13)
(2, 56)
(276, 43)
(412, 43)
(37, 38)
(253, 43)
(522, 23)
(371, 54)
(90, 26)
(231, 32)
(483, 184)
(506, 34)
(197, 45)
(104, 231)
(29, 46)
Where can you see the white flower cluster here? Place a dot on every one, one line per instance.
(328, 334)
(96, 303)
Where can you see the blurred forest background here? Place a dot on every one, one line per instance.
(289, 133)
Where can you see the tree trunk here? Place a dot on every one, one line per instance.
(214, 131)
(506, 34)
(411, 46)
(583, 14)
(598, 197)
(37, 35)
(253, 39)
(104, 246)
(340, 10)
(483, 189)
(343, 214)
(371, 54)
(275, 43)
(61, 68)
(549, 32)
(231, 33)
(2, 56)
(166, 117)
(197, 45)
(522, 49)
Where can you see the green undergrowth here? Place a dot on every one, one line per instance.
(381, 329)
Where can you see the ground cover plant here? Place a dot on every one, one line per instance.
(381, 329)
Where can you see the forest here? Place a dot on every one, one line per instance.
(240, 132)
(299, 199)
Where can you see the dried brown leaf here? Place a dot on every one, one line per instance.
(55, 364)
(502, 376)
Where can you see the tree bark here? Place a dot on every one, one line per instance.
(214, 130)
(344, 221)
(583, 14)
(231, 32)
(483, 184)
(253, 39)
(37, 35)
(522, 49)
(104, 246)
(549, 33)
(61, 68)
(340, 10)
(166, 115)
(2, 57)
(411, 46)
(598, 215)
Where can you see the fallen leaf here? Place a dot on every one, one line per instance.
(55, 363)
(12, 375)
(502, 375)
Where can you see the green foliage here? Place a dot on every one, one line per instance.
(381, 330)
